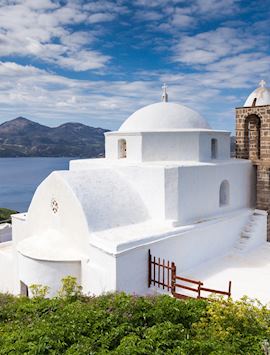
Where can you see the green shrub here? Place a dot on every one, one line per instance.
(70, 288)
(5, 213)
(127, 324)
(39, 291)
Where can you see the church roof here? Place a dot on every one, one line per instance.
(259, 97)
(164, 116)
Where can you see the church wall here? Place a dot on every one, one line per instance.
(223, 145)
(199, 189)
(55, 206)
(170, 146)
(132, 271)
(133, 146)
(150, 183)
(47, 273)
(188, 250)
(171, 193)
(7, 268)
(5, 232)
(98, 272)
(19, 227)
(105, 196)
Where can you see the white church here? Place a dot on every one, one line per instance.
(167, 184)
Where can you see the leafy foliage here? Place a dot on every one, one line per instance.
(70, 289)
(127, 324)
(5, 213)
(39, 291)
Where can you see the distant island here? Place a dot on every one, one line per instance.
(21, 137)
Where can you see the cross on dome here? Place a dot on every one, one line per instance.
(262, 83)
(164, 93)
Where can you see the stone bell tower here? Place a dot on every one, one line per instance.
(253, 142)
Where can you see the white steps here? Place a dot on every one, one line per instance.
(253, 233)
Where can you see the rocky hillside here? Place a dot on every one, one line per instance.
(24, 138)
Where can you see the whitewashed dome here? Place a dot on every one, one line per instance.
(164, 116)
(259, 97)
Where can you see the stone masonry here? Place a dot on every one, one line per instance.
(253, 142)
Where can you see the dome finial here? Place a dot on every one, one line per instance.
(262, 84)
(164, 93)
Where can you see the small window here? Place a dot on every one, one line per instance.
(224, 193)
(214, 148)
(122, 148)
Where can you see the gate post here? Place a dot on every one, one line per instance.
(230, 289)
(149, 268)
(173, 275)
(199, 290)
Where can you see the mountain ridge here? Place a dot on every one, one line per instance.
(21, 137)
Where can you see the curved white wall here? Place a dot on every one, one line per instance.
(47, 273)
(69, 219)
(89, 200)
(108, 199)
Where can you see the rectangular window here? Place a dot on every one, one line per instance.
(214, 148)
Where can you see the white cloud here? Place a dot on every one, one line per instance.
(181, 20)
(26, 90)
(217, 63)
(44, 29)
(40, 95)
(100, 17)
(83, 60)
(216, 7)
(208, 47)
(148, 15)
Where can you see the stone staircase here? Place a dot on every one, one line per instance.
(253, 233)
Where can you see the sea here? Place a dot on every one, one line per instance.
(19, 178)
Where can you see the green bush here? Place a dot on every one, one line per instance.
(127, 324)
(39, 291)
(5, 213)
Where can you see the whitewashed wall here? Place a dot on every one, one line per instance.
(7, 268)
(47, 273)
(5, 232)
(223, 145)
(133, 145)
(98, 272)
(170, 146)
(19, 227)
(188, 193)
(188, 250)
(199, 189)
(184, 145)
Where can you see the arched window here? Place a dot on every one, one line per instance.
(214, 148)
(224, 193)
(252, 138)
(122, 148)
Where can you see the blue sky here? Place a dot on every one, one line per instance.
(96, 62)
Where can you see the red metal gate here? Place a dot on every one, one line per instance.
(162, 274)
